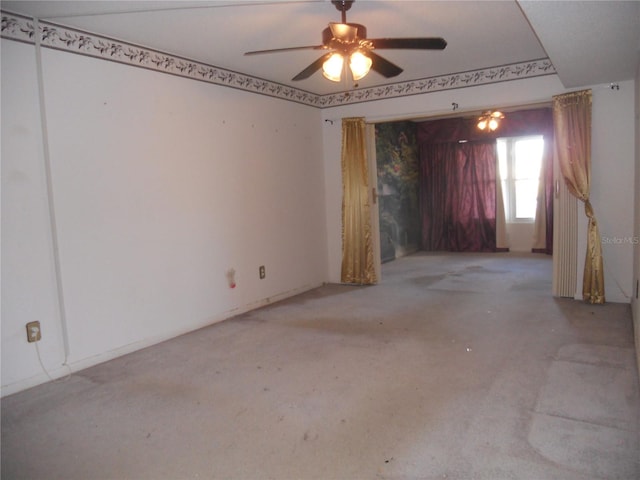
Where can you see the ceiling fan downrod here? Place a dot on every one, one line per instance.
(343, 6)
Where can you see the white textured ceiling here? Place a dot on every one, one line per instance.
(588, 42)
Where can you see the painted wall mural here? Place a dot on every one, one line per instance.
(398, 189)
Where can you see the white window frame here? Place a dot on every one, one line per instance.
(509, 184)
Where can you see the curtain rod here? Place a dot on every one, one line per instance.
(424, 116)
(417, 117)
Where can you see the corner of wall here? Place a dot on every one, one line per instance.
(635, 301)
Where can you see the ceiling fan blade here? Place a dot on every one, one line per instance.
(313, 68)
(289, 49)
(383, 66)
(426, 43)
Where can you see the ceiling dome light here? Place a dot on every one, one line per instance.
(332, 67)
(359, 64)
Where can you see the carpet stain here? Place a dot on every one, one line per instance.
(483, 270)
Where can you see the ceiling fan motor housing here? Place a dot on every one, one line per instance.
(328, 36)
(348, 39)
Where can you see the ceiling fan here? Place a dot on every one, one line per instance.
(349, 41)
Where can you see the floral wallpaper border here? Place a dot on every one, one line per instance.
(20, 28)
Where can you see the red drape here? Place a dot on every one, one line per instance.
(450, 131)
(459, 196)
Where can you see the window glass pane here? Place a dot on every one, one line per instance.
(526, 196)
(528, 158)
(519, 162)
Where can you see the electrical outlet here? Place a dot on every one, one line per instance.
(34, 334)
(262, 272)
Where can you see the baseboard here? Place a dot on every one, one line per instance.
(60, 373)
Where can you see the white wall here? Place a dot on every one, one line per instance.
(28, 273)
(520, 236)
(612, 157)
(160, 184)
(612, 186)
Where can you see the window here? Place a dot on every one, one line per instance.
(519, 160)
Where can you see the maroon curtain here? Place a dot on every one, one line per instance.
(537, 121)
(458, 196)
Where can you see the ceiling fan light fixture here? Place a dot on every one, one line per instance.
(359, 64)
(490, 120)
(346, 39)
(332, 67)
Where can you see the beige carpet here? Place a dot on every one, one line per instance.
(457, 366)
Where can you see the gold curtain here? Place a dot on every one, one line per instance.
(572, 126)
(502, 243)
(357, 242)
(540, 238)
(540, 222)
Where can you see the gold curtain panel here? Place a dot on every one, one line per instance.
(357, 241)
(572, 125)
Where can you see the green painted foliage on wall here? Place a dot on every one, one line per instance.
(398, 188)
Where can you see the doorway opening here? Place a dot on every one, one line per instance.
(398, 167)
